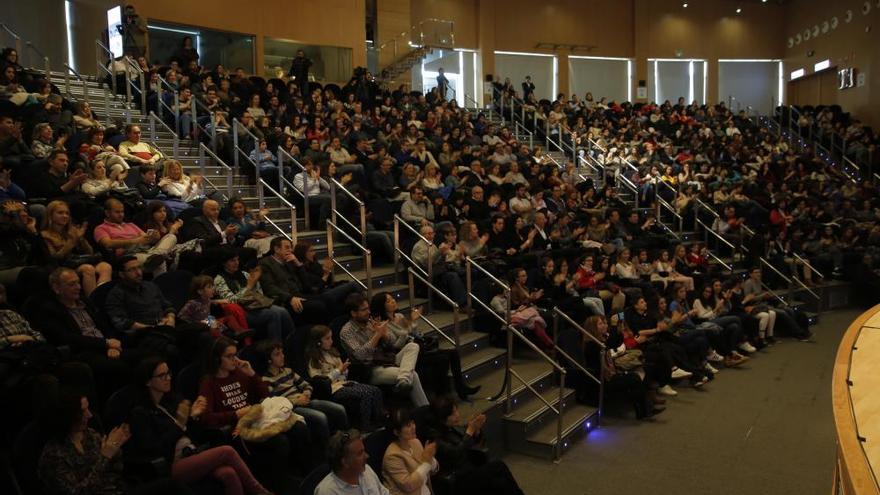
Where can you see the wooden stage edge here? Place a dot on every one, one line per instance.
(853, 474)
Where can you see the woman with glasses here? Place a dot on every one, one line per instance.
(163, 425)
(231, 388)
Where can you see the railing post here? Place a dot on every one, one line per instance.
(294, 232)
(260, 202)
(363, 224)
(202, 160)
(127, 92)
(177, 116)
(412, 289)
(368, 260)
(468, 285)
(143, 85)
(332, 200)
(501, 111)
(560, 407)
(547, 133)
(152, 126)
(330, 239)
(430, 278)
(280, 169)
(106, 105)
(396, 249)
(235, 145)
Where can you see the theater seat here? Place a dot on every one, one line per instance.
(175, 286)
(308, 485)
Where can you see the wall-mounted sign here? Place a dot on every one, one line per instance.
(642, 93)
(861, 79)
(846, 78)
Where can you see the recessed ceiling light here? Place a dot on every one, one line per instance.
(739, 10)
(684, 5)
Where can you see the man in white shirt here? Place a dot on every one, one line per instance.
(417, 210)
(350, 474)
(521, 204)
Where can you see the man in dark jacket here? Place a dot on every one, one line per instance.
(209, 227)
(68, 319)
(299, 69)
(281, 282)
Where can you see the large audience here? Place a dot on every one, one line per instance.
(165, 337)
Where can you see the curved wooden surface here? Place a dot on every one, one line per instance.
(855, 397)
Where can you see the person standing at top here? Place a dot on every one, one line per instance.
(442, 83)
(134, 32)
(528, 88)
(299, 70)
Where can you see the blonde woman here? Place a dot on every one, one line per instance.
(67, 244)
(178, 185)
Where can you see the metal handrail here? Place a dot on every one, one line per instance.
(716, 234)
(335, 214)
(304, 194)
(198, 127)
(455, 308)
(808, 265)
(293, 234)
(47, 68)
(368, 258)
(101, 67)
(557, 314)
(235, 126)
(429, 270)
(792, 281)
(131, 64)
(153, 118)
(513, 332)
(70, 70)
(203, 151)
(172, 110)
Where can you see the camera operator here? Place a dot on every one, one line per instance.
(134, 33)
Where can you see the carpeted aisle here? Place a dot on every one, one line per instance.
(765, 428)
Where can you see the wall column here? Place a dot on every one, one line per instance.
(563, 73)
(485, 44)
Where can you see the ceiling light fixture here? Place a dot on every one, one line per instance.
(739, 10)
(684, 5)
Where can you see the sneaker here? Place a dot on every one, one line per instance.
(667, 390)
(711, 369)
(746, 347)
(715, 357)
(734, 360)
(770, 340)
(678, 373)
(702, 381)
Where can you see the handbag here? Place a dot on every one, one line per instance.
(629, 360)
(269, 418)
(253, 300)
(427, 343)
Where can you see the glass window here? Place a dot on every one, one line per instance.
(329, 63)
(214, 47)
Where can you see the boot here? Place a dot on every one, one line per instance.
(461, 387)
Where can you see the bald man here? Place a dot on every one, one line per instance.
(208, 227)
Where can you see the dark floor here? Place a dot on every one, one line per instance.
(764, 428)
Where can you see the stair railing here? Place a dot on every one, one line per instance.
(807, 266)
(792, 282)
(68, 70)
(16, 39)
(204, 153)
(285, 185)
(332, 228)
(173, 110)
(427, 272)
(47, 68)
(455, 339)
(200, 109)
(559, 315)
(154, 120)
(470, 265)
(103, 53)
(336, 215)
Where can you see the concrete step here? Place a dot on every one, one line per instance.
(577, 419)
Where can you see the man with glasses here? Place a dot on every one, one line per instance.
(369, 342)
(349, 471)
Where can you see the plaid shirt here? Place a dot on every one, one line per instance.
(12, 323)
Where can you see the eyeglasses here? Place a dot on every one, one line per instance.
(163, 376)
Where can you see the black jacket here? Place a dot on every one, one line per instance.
(201, 228)
(60, 328)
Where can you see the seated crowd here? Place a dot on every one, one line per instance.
(220, 353)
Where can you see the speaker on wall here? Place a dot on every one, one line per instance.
(642, 83)
(488, 77)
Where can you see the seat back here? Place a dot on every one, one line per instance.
(308, 485)
(376, 443)
(175, 286)
(26, 453)
(187, 383)
(118, 406)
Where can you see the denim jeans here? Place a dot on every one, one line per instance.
(275, 320)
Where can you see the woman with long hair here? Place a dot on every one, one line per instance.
(404, 329)
(323, 359)
(231, 388)
(67, 243)
(628, 381)
(178, 185)
(161, 425)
